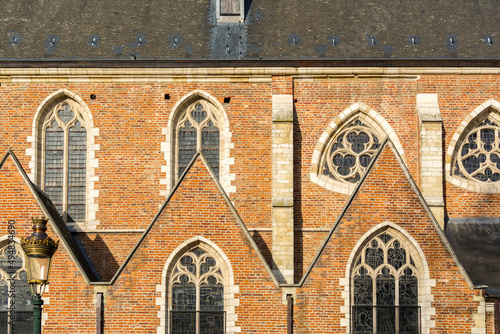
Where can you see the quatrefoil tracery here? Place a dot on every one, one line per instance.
(478, 158)
(349, 153)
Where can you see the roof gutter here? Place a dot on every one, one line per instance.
(204, 63)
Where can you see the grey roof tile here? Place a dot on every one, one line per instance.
(279, 29)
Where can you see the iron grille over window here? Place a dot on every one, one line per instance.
(385, 289)
(349, 152)
(479, 156)
(198, 129)
(64, 160)
(16, 309)
(197, 295)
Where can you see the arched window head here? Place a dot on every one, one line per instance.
(197, 129)
(349, 152)
(347, 146)
(474, 151)
(16, 309)
(384, 293)
(478, 158)
(196, 289)
(63, 162)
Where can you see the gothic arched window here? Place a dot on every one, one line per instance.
(384, 289)
(196, 292)
(478, 158)
(349, 152)
(16, 309)
(197, 129)
(63, 162)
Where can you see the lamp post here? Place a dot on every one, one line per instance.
(38, 249)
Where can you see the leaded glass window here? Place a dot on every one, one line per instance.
(16, 309)
(349, 152)
(385, 289)
(197, 295)
(478, 158)
(64, 167)
(198, 129)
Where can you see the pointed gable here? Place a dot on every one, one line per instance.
(198, 206)
(386, 198)
(20, 200)
(197, 212)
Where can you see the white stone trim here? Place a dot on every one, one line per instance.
(480, 316)
(33, 152)
(488, 108)
(372, 118)
(248, 74)
(425, 283)
(230, 289)
(168, 146)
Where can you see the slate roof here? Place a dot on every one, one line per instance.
(476, 244)
(278, 29)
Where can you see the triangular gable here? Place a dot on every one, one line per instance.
(386, 145)
(56, 223)
(227, 201)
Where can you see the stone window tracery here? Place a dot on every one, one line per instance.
(198, 129)
(15, 293)
(384, 295)
(64, 159)
(478, 158)
(197, 294)
(349, 152)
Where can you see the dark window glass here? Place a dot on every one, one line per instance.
(479, 156)
(65, 170)
(197, 295)
(198, 131)
(349, 152)
(385, 289)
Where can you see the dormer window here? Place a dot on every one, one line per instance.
(230, 11)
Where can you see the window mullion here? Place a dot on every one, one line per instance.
(374, 302)
(198, 137)
(396, 303)
(65, 173)
(198, 274)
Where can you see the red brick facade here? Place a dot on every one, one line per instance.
(130, 247)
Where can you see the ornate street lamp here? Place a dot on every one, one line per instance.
(38, 249)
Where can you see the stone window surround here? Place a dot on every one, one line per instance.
(230, 289)
(488, 108)
(169, 149)
(425, 283)
(372, 119)
(34, 152)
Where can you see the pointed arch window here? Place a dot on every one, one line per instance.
(349, 152)
(478, 157)
(196, 293)
(64, 159)
(197, 129)
(384, 295)
(16, 309)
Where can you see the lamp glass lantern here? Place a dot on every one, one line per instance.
(39, 249)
